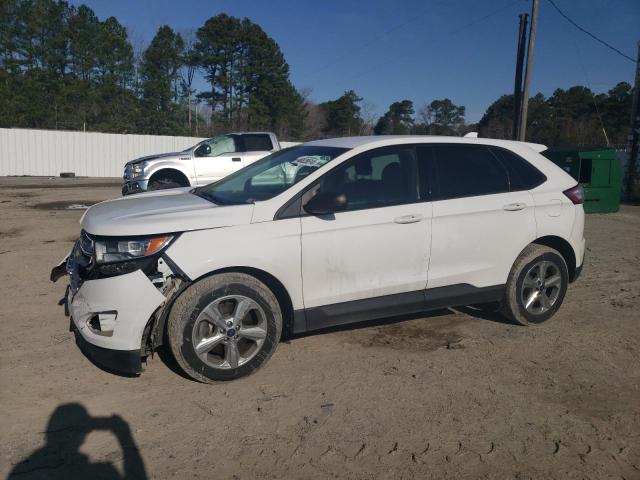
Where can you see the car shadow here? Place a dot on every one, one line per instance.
(484, 314)
(60, 457)
(166, 356)
(101, 366)
(371, 323)
(471, 311)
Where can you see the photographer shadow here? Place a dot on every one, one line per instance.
(60, 457)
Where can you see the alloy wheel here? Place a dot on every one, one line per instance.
(229, 332)
(541, 287)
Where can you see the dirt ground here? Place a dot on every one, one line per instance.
(447, 395)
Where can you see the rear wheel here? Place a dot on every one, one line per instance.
(224, 327)
(536, 285)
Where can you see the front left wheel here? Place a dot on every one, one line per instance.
(224, 327)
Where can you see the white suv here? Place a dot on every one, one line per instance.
(320, 234)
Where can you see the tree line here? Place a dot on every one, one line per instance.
(574, 117)
(61, 67)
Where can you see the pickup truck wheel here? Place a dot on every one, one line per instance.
(224, 327)
(536, 285)
(163, 184)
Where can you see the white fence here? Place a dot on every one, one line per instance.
(49, 152)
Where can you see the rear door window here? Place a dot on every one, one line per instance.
(257, 143)
(467, 171)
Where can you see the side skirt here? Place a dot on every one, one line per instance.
(394, 305)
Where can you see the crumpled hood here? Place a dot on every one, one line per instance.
(181, 155)
(162, 211)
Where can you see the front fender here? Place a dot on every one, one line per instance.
(266, 246)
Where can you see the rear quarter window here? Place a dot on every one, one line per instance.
(522, 175)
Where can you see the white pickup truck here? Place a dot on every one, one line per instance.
(204, 163)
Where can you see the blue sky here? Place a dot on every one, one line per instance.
(416, 49)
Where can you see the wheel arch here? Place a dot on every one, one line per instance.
(275, 285)
(564, 248)
(172, 174)
(156, 326)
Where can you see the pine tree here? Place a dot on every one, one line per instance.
(161, 63)
(397, 121)
(343, 115)
(248, 77)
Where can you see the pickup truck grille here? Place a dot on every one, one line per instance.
(128, 169)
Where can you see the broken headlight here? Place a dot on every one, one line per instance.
(123, 249)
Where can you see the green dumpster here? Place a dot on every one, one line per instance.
(598, 171)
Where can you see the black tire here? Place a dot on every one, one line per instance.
(187, 310)
(513, 305)
(163, 184)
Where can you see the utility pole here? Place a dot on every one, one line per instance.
(517, 88)
(527, 76)
(196, 118)
(634, 137)
(189, 110)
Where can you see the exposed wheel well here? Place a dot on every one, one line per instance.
(278, 289)
(171, 174)
(565, 249)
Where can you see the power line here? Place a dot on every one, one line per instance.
(413, 51)
(593, 97)
(589, 33)
(373, 40)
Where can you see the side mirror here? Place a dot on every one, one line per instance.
(203, 150)
(326, 203)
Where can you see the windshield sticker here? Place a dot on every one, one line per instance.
(311, 161)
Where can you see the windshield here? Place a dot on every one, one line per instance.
(269, 176)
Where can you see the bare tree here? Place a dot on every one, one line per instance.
(188, 71)
(425, 114)
(442, 117)
(368, 116)
(315, 117)
(138, 44)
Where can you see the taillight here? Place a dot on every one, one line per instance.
(575, 194)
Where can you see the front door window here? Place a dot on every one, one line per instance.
(220, 145)
(376, 179)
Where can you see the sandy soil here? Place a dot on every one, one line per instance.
(449, 395)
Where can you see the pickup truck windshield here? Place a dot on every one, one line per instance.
(269, 176)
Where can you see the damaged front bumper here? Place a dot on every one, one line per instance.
(109, 315)
(121, 361)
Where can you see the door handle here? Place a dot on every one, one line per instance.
(408, 219)
(236, 159)
(514, 207)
